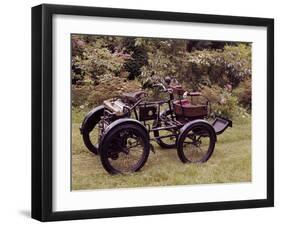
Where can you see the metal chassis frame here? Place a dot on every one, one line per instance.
(177, 125)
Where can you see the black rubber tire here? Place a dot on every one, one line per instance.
(92, 123)
(211, 134)
(128, 126)
(160, 141)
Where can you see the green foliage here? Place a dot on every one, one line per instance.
(85, 97)
(205, 67)
(223, 102)
(227, 106)
(138, 59)
(165, 58)
(95, 60)
(99, 61)
(230, 65)
(244, 94)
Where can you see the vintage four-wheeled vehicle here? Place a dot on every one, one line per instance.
(120, 130)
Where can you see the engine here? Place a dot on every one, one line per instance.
(115, 106)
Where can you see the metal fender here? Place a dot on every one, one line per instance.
(90, 117)
(120, 122)
(189, 124)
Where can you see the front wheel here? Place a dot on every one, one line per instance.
(196, 143)
(124, 149)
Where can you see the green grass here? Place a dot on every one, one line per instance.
(230, 162)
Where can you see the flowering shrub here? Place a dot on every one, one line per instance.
(89, 96)
(221, 70)
(95, 60)
(244, 94)
(230, 65)
(223, 102)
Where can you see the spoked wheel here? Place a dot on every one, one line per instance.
(171, 140)
(196, 143)
(91, 131)
(124, 149)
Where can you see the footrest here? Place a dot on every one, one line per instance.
(221, 124)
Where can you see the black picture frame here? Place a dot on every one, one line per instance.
(42, 111)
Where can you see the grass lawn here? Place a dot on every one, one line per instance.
(230, 162)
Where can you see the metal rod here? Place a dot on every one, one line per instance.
(163, 128)
(166, 136)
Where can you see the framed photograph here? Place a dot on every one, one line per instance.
(145, 112)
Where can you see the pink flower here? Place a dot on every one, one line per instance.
(222, 101)
(228, 87)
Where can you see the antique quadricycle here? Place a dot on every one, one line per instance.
(121, 129)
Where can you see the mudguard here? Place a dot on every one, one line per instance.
(89, 119)
(186, 126)
(122, 121)
(220, 124)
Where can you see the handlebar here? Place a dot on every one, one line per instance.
(163, 88)
(170, 90)
(159, 85)
(192, 94)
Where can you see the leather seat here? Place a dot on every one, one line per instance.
(132, 97)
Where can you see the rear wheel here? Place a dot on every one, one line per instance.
(196, 143)
(91, 131)
(124, 149)
(171, 140)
